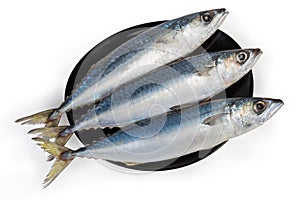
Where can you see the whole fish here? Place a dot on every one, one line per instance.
(173, 135)
(179, 85)
(138, 56)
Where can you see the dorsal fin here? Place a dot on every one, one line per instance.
(182, 106)
(189, 104)
(175, 108)
(143, 122)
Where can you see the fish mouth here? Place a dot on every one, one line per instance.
(276, 105)
(256, 54)
(223, 12)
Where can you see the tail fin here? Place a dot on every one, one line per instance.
(48, 132)
(62, 141)
(42, 118)
(53, 132)
(61, 161)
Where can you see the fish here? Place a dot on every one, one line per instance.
(171, 135)
(140, 55)
(181, 84)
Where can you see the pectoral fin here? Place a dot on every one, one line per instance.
(204, 71)
(167, 38)
(214, 120)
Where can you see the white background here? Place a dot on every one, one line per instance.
(41, 42)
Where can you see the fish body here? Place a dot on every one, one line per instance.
(138, 56)
(173, 135)
(165, 137)
(178, 133)
(182, 83)
(144, 53)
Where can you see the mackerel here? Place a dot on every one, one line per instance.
(138, 56)
(173, 135)
(181, 84)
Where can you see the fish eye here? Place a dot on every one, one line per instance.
(206, 17)
(242, 57)
(259, 107)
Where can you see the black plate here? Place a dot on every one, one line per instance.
(218, 41)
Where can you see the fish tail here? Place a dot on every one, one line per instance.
(61, 134)
(49, 132)
(54, 118)
(49, 117)
(62, 141)
(50, 158)
(63, 157)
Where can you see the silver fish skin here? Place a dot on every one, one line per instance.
(183, 132)
(173, 135)
(182, 83)
(142, 54)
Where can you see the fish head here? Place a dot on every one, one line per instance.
(249, 113)
(232, 65)
(201, 24)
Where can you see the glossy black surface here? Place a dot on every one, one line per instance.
(219, 41)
